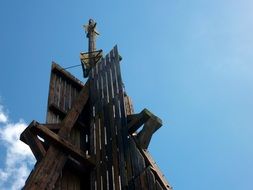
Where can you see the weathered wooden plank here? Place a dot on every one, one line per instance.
(124, 129)
(62, 93)
(66, 96)
(101, 177)
(111, 118)
(107, 159)
(93, 127)
(117, 103)
(53, 127)
(108, 114)
(98, 158)
(109, 156)
(52, 87)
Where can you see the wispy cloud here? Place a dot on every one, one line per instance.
(17, 157)
(3, 117)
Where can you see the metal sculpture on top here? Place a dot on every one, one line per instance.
(90, 58)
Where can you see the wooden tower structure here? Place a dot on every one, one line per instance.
(92, 139)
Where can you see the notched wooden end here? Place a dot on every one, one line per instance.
(149, 128)
(31, 139)
(23, 134)
(150, 122)
(135, 121)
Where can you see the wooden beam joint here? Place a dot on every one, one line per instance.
(44, 131)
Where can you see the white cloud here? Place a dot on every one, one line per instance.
(18, 159)
(3, 117)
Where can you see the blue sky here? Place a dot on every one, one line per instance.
(189, 62)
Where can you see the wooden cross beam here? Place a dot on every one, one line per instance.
(43, 131)
(52, 162)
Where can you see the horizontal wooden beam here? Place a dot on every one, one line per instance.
(64, 145)
(52, 127)
(56, 110)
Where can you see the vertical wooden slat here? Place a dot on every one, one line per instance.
(107, 158)
(112, 124)
(123, 117)
(117, 118)
(93, 127)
